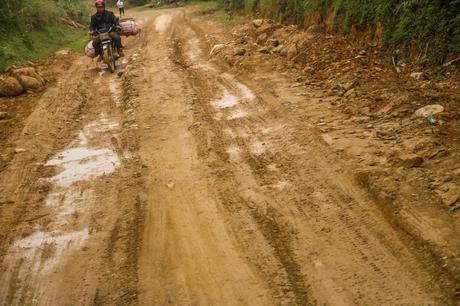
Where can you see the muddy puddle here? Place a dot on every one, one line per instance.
(69, 199)
(162, 23)
(233, 100)
(228, 100)
(237, 114)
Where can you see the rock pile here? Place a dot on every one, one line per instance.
(19, 81)
(268, 37)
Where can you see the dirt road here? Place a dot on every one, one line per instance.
(180, 181)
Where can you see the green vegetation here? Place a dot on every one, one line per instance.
(33, 29)
(36, 45)
(216, 11)
(432, 25)
(205, 6)
(135, 2)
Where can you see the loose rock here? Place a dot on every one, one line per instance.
(262, 38)
(243, 40)
(217, 48)
(429, 110)
(264, 50)
(3, 115)
(239, 51)
(273, 42)
(278, 49)
(411, 161)
(308, 70)
(316, 29)
(350, 93)
(291, 51)
(418, 75)
(450, 199)
(257, 22)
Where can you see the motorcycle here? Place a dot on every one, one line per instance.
(109, 50)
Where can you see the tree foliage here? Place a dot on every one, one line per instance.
(26, 15)
(137, 2)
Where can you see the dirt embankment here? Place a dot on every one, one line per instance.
(249, 176)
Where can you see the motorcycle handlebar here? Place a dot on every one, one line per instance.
(97, 32)
(108, 31)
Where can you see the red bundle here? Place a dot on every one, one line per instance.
(89, 50)
(129, 27)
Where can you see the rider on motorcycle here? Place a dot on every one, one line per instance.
(104, 20)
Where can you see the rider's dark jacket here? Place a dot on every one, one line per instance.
(103, 21)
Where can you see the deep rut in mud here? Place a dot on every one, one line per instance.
(185, 181)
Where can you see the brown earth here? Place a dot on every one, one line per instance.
(245, 178)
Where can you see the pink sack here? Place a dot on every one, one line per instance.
(89, 50)
(129, 28)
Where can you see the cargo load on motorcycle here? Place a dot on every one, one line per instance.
(89, 50)
(129, 27)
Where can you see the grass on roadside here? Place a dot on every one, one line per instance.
(216, 11)
(205, 6)
(16, 49)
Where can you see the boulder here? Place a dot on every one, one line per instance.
(316, 29)
(30, 83)
(10, 87)
(3, 115)
(28, 71)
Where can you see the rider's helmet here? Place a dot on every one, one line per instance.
(100, 3)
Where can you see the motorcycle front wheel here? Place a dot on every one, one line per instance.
(111, 59)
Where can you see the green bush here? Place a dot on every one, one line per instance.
(38, 14)
(32, 29)
(76, 9)
(8, 15)
(137, 2)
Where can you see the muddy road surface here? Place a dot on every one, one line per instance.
(180, 181)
